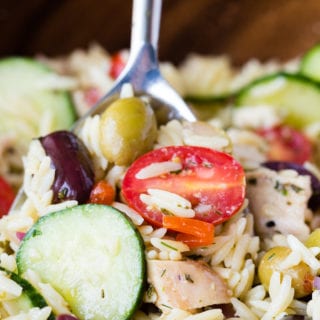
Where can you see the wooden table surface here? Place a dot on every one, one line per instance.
(241, 28)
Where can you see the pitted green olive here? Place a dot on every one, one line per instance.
(301, 274)
(313, 239)
(127, 130)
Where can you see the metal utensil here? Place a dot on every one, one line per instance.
(142, 69)
(142, 72)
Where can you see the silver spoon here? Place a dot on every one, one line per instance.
(142, 72)
(142, 69)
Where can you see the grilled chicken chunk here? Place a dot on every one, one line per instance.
(186, 284)
(279, 201)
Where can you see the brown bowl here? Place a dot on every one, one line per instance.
(240, 28)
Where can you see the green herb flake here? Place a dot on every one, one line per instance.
(281, 188)
(176, 171)
(5, 247)
(207, 164)
(36, 233)
(166, 212)
(163, 273)
(188, 278)
(271, 256)
(166, 306)
(295, 188)
(168, 246)
(150, 291)
(62, 194)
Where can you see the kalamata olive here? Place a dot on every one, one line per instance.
(301, 274)
(66, 317)
(314, 201)
(70, 158)
(128, 129)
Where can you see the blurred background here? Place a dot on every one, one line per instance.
(240, 28)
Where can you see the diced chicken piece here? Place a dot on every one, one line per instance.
(279, 201)
(186, 284)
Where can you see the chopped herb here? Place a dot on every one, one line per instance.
(166, 306)
(296, 188)
(183, 207)
(284, 188)
(218, 212)
(36, 233)
(166, 212)
(168, 246)
(278, 186)
(188, 278)
(5, 247)
(176, 172)
(281, 188)
(150, 291)
(191, 163)
(252, 181)
(271, 256)
(163, 272)
(207, 164)
(62, 194)
(102, 294)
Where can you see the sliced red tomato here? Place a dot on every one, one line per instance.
(212, 181)
(118, 63)
(287, 144)
(6, 197)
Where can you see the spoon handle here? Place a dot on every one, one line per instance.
(146, 15)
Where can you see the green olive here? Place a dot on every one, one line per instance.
(128, 129)
(313, 239)
(301, 274)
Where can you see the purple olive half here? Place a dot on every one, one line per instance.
(314, 201)
(70, 158)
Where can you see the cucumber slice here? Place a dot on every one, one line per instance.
(29, 298)
(310, 63)
(92, 255)
(208, 99)
(29, 103)
(297, 97)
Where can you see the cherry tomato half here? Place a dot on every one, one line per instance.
(6, 197)
(118, 63)
(287, 144)
(212, 181)
(92, 96)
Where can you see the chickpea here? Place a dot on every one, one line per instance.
(127, 130)
(301, 274)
